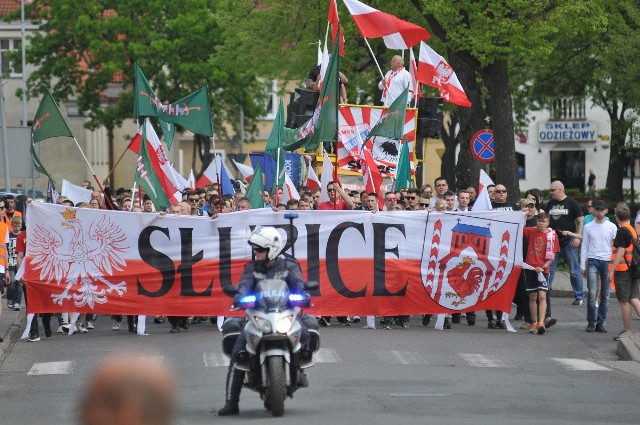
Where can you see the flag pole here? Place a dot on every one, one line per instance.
(373, 56)
(93, 173)
(215, 169)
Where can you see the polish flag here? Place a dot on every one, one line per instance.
(191, 182)
(372, 23)
(325, 177)
(334, 20)
(483, 202)
(217, 172)
(413, 71)
(313, 182)
(245, 170)
(434, 71)
(371, 176)
(161, 166)
(289, 190)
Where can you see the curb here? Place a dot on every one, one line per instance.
(12, 335)
(629, 347)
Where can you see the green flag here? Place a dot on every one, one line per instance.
(391, 122)
(146, 176)
(403, 169)
(47, 123)
(256, 189)
(192, 112)
(323, 125)
(275, 148)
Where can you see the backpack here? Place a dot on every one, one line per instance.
(634, 266)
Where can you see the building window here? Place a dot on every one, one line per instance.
(568, 167)
(7, 45)
(271, 99)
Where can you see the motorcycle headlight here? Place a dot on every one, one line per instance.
(284, 324)
(263, 325)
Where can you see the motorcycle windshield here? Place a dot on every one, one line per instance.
(272, 295)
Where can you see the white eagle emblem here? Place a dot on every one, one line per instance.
(81, 258)
(444, 72)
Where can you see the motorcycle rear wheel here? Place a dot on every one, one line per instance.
(276, 392)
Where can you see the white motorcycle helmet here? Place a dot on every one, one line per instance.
(269, 238)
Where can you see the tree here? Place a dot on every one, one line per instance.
(488, 38)
(86, 51)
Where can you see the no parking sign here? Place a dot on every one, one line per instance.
(482, 146)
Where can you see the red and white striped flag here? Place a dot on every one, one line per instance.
(372, 23)
(334, 20)
(434, 71)
(313, 182)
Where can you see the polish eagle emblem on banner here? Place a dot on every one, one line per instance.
(80, 259)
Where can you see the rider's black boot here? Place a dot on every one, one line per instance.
(230, 408)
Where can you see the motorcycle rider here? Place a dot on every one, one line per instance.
(267, 246)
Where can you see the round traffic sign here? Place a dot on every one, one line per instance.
(482, 146)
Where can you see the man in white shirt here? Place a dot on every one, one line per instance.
(395, 81)
(595, 255)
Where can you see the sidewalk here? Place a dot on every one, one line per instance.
(12, 323)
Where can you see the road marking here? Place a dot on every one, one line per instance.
(419, 395)
(326, 355)
(480, 360)
(215, 359)
(402, 357)
(51, 368)
(579, 364)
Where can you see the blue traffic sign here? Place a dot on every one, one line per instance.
(482, 146)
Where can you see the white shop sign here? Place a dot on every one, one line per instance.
(567, 131)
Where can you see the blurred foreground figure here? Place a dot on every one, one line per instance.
(129, 390)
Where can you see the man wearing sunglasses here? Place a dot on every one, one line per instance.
(267, 245)
(499, 203)
(338, 198)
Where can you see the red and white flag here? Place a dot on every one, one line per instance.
(217, 172)
(159, 160)
(413, 71)
(372, 23)
(289, 190)
(434, 71)
(483, 202)
(371, 176)
(313, 182)
(334, 20)
(191, 182)
(245, 170)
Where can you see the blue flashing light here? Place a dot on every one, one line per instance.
(296, 297)
(248, 299)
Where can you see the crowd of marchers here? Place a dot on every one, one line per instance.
(593, 248)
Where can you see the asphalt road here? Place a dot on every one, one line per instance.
(400, 376)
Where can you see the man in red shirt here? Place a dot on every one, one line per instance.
(344, 202)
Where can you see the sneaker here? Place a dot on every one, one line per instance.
(10, 306)
(591, 327)
(600, 328)
(63, 329)
(426, 319)
(16, 307)
(533, 329)
(82, 329)
(34, 338)
(578, 302)
(355, 319)
(344, 323)
(471, 321)
(617, 337)
(541, 329)
(90, 325)
(491, 324)
(501, 325)
(323, 322)
(115, 326)
(550, 321)
(158, 319)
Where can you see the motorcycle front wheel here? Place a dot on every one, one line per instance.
(276, 391)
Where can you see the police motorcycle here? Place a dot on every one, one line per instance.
(274, 360)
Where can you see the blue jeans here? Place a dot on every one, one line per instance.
(596, 270)
(570, 255)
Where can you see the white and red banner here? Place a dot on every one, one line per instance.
(396, 33)
(388, 263)
(385, 151)
(434, 71)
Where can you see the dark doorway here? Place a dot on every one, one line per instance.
(568, 167)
